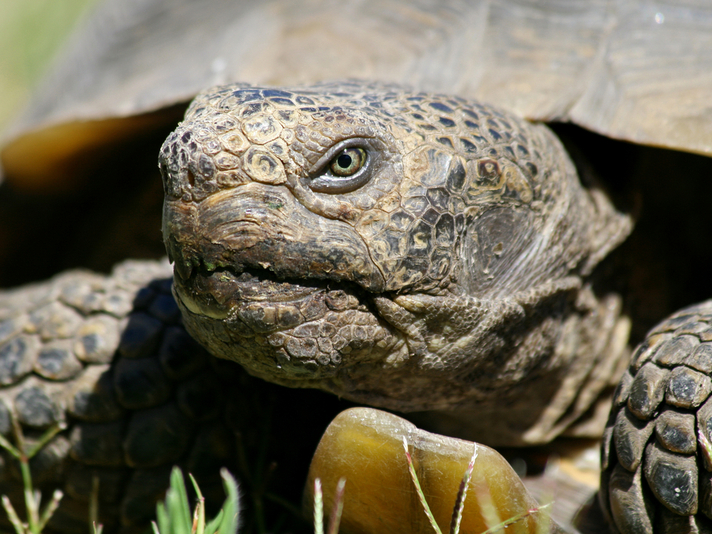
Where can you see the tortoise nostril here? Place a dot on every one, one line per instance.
(191, 178)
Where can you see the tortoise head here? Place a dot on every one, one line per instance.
(305, 224)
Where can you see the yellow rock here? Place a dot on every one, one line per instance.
(365, 446)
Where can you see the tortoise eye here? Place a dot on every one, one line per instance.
(348, 162)
(346, 170)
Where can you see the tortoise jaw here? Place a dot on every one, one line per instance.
(222, 292)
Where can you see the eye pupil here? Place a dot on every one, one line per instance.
(344, 161)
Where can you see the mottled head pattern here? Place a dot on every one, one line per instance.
(376, 242)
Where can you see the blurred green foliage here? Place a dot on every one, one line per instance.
(31, 32)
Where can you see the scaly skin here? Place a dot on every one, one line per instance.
(450, 273)
(107, 357)
(657, 456)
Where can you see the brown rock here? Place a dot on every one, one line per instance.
(365, 446)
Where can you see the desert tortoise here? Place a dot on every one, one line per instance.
(418, 70)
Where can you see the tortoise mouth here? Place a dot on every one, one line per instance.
(261, 285)
(223, 291)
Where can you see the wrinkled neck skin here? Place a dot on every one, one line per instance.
(446, 269)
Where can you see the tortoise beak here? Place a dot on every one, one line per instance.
(263, 229)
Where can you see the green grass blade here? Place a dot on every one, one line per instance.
(318, 508)
(12, 515)
(94, 503)
(705, 448)
(231, 507)
(177, 505)
(50, 509)
(515, 519)
(9, 447)
(199, 513)
(419, 490)
(45, 438)
(213, 525)
(164, 522)
(461, 494)
(544, 525)
(31, 498)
